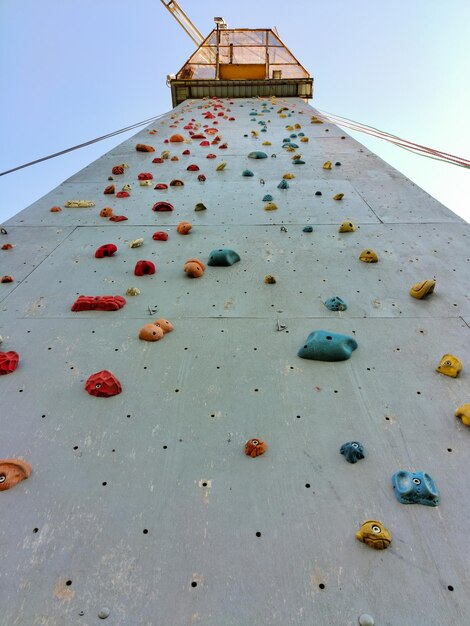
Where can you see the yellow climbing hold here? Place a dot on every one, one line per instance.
(297, 126)
(290, 149)
(271, 206)
(296, 157)
(136, 243)
(423, 289)
(327, 165)
(145, 183)
(79, 204)
(269, 279)
(289, 128)
(165, 154)
(126, 187)
(338, 196)
(304, 140)
(368, 256)
(315, 120)
(288, 176)
(347, 227)
(283, 115)
(254, 133)
(267, 143)
(450, 365)
(221, 166)
(463, 413)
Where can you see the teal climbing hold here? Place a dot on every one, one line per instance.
(415, 488)
(293, 136)
(263, 130)
(283, 184)
(247, 173)
(301, 134)
(335, 304)
(267, 198)
(299, 162)
(223, 257)
(307, 229)
(253, 113)
(257, 154)
(322, 345)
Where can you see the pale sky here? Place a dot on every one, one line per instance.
(71, 71)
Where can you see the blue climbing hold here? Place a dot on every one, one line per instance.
(335, 304)
(257, 154)
(223, 257)
(415, 488)
(307, 229)
(353, 451)
(283, 184)
(247, 173)
(263, 130)
(293, 136)
(322, 345)
(267, 198)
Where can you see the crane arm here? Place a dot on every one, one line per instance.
(184, 21)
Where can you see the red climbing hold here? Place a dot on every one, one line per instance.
(160, 235)
(158, 160)
(162, 206)
(118, 218)
(161, 186)
(201, 178)
(223, 146)
(176, 182)
(211, 156)
(122, 194)
(98, 303)
(6, 279)
(186, 152)
(145, 176)
(108, 249)
(204, 143)
(7, 246)
(118, 169)
(193, 168)
(142, 268)
(199, 136)
(8, 362)
(103, 385)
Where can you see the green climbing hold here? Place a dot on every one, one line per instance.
(322, 345)
(283, 184)
(247, 173)
(267, 198)
(200, 207)
(307, 229)
(257, 155)
(223, 257)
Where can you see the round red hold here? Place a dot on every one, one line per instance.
(160, 235)
(144, 268)
(103, 385)
(108, 249)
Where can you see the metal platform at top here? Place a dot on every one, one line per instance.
(142, 508)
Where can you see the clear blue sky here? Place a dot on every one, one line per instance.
(71, 71)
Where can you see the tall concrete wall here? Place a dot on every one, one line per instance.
(142, 508)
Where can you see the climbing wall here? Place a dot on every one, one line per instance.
(136, 503)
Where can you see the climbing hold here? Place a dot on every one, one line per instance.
(288, 176)
(145, 176)
(78, 204)
(164, 324)
(145, 183)
(143, 268)
(117, 170)
(269, 279)
(304, 139)
(193, 168)
(221, 166)
(247, 173)
(6, 279)
(223, 146)
(194, 268)
(136, 243)
(8, 362)
(283, 184)
(160, 207)
(157, 160)
(122, 194)
(223, 257)
(108, 249)
(318, 193)
(55, 209)
(204, 143)
(374, 534)
(126, 187)
(133, 291)
(353, 451)
(322, 345)
(106, 211)
(267, 198)
(337, 164)
(118, 218)
(151, 332)
(160, 235)
(257, 155)
(186, 152)
(201, 178)
(176, 138)
(110, 189)
(327, 165)
(183, 228)
(165, 154)
(255, 447)
(423, 289)
(368, 256)
(103, 385)
(7, 246)
(299, 162)
(366, 620)
(211, 156)
(271, 206)
(307, 229)
(13, 471)
(415, 488)
(176, 182)
(200, 207)
(463, 413)
(338, 196)
(267, 143)
(450, 365)
(335, 304)
(161, 186)
(98, 303)
(347, 227)
(142, 147)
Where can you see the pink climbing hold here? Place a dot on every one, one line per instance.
(144, 268)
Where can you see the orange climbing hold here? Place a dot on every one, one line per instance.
(255, 447)
(183, 228)
(142, 147)
(6, 279)
(55, 209)
(106, 211)
(194, 268)
(118, 169)
(151, 332)
(13, 471)
(176, 138)
(7, 246)
(165, 325)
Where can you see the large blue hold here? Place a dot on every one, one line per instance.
(322, 345)
(415, 488)
(223, 257)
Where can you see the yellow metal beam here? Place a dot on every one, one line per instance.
(184, 21)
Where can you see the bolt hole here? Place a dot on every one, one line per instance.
(321, 586)
(35, 530)
(145, 531)
(307, 485)
(258, 534)
(68, 583)
(450, 588)
(104, 484)
(194, 584)
(165, 447)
